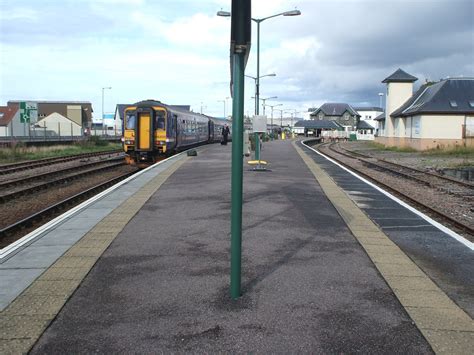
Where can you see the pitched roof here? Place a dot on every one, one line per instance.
(449, 96)
(380, 117)
(400, 76)
(335, 109)
(318, 124)
(372, 108)
(364, 125)
(7, 113)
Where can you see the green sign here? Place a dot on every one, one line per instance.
(28, 112)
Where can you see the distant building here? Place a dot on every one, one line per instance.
(79, 112)
(439, 114)
(10, 121)
(58, 125)
(344, 114)
(368, 114)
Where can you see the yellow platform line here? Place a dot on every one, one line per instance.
(28, 316)
(446, 327)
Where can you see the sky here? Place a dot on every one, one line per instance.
(177, 51)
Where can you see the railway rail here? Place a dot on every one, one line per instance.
(462, 193)
(31, 164)
(10, 233)
(422, 176)
(65, 176)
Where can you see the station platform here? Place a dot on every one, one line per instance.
(330, 265)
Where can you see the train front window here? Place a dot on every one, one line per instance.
(130, 121)
(160, 119)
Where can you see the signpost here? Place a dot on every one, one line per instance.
(28, 114)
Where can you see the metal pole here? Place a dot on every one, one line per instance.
(272, 122)
(102, 110)
(257, 93)
(237, 175)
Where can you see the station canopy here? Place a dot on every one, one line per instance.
(318, 124)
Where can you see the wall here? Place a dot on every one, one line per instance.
(397, 95)
(60, 125)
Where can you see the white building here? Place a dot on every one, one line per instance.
(58, 125)
(438, 115)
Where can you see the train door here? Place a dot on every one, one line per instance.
(144, 128)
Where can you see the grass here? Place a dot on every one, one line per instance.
(457, 151)
(379, 146)
(20, 152)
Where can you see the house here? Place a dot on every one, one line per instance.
(437, 115)
(58, 125)
(368, 114)
(10, 117)
(365, 131)
(79, 112)
(319, 128)
(343, 114)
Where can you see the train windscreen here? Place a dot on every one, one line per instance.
(130, 121)
(160, 119)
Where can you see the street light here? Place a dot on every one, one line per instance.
(224, 105)
(264, 100)
(255, 97)
(272, 106)
(257, 81)
(381, 97)
(281, 116)
(103, 89)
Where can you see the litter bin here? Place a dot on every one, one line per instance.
(352, 137)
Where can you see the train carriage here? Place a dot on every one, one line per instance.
(153, 129)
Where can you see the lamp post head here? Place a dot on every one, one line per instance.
(380, 93)
(292, 13)
(223, 13)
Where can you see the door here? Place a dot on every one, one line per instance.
(144, 125)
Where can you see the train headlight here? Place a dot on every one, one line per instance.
(129, 141)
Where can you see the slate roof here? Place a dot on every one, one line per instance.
(7, 113)
(380, 117)
(335, 109)
(121, 109)
(400, 76)
(449, 96)
(378, 109)
(318, 124)
(364, 125)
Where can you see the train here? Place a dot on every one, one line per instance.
(153, 130)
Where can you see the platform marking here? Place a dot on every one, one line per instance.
(27, 317)
(446, 327)
(438, 225)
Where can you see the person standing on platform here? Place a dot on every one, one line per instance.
(225, 134)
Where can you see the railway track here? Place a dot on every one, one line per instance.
(32, 164)
(11, 233)
(463, 192)
(424, 177)
(37, 183)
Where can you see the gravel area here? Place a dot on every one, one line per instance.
(54, 167)
(457, 206)
(412, 159)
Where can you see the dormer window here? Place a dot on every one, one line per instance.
(453, 103)
(471, 103)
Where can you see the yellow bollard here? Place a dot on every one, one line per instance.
(282, 135)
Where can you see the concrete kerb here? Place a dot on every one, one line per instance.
(22, 326)
(447, 328)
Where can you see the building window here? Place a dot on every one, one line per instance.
(453, 103)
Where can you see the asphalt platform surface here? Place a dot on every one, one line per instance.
(163, 284)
